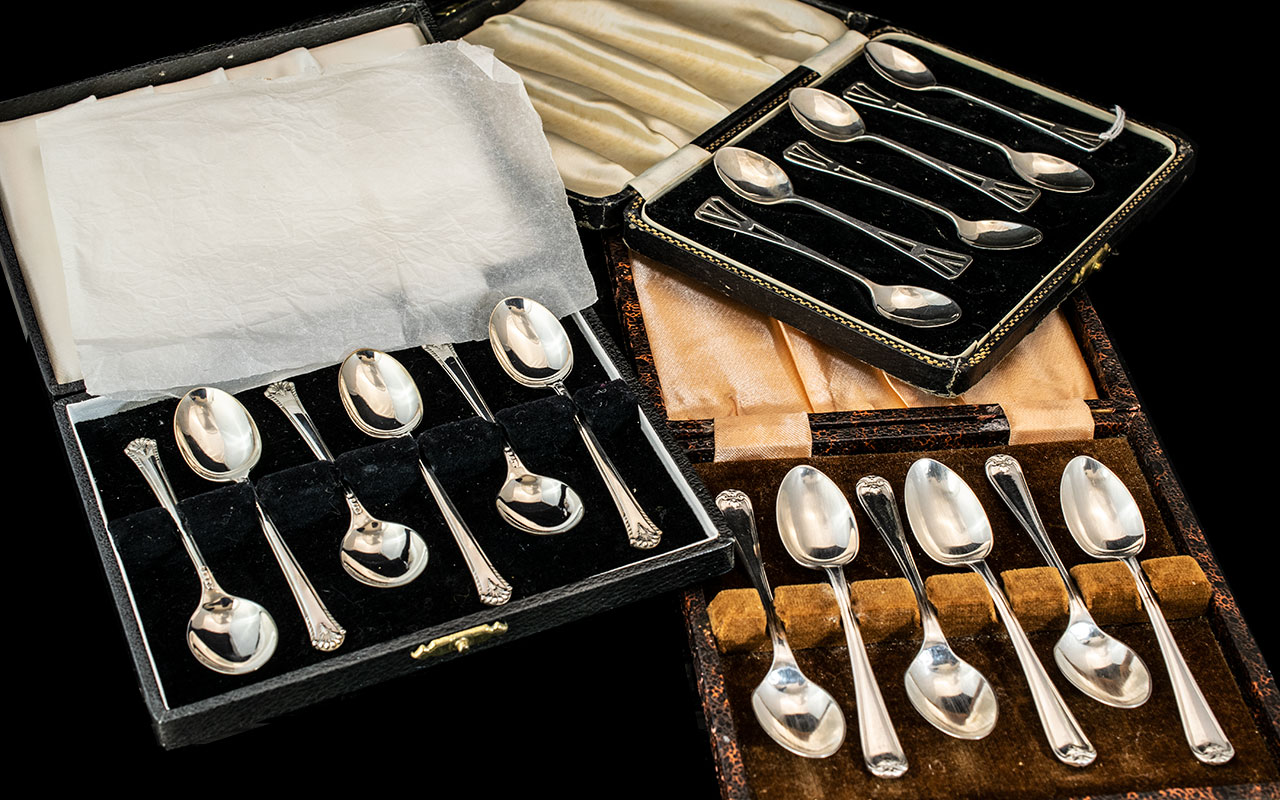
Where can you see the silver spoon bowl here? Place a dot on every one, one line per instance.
(953, 530)
(1095, 662)
(828, 116)
(798, 714)
(949, 692)
(220, 442)
(373, 551)
(1105, 521)
(227, 634)
(383, 401)
(818, 529)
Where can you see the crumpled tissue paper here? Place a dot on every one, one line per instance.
(241, 232)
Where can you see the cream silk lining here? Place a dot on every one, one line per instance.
(719, 359)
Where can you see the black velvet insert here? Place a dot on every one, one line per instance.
(997, 281)
(304, 498)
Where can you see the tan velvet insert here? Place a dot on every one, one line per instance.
(717, 358)
(1139, 750)
(887, 608)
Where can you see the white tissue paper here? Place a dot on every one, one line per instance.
(236, 233)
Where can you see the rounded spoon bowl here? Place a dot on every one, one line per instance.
(230, 634)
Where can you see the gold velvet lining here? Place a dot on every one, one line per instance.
(886, 607)
(717, 358)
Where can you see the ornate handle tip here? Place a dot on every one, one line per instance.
(140, 449)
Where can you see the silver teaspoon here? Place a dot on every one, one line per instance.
(910, 305)
(227, 634)
(220, 442)
(992, 234)
(948, 691)
(531, 502)
(756, 178)
(374, 552)
(818, 529)
(1105, 521)
(903, 69)
(1038, 169)
(383, 402)
(828, 116)
(532, 347)
(953, 530)
(1096, 663)
(796, 713)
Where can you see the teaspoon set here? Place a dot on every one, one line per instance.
(818, 529)
(760, 180)
(219, 441)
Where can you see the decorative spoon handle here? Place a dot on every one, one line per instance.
(1014, 195)
(145, 455)
(862, 93)
(881, 749)
(876, 497)
(447, 358)
(740, 516)
(493, 589)
(642, 532)
(1068, 742)
(944, 262)
(285, 395)
(326, 634)
(1085, 140)
(1005, 474)
(1208, 741)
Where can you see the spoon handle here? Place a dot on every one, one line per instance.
(642, 532)
(145, 455)
(285, 395)
(738, 512)
(1085, 140)
(1069, 744)
(493, 589)
(881, 749)
(863, 94)
(1014, 195)
(1205, 736)
(447, 357)
(1005, 474)
(325, 632)
(876, 497)
(945, 262)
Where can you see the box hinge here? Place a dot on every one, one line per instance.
(459, 642)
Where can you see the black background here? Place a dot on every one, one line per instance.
(605, 706)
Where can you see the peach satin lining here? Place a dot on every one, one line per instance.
(719, 359)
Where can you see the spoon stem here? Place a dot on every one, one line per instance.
(493, 589)
(285, 395)
(739, 514)
(447, 357)
(1085, 140)
(881, 749)
(1205, 736)
(877, 499)
(325, 632)
(642, 532)
(1067, 740)
(145, 455)
(1013, 195)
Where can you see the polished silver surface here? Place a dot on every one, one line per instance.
(796, 713)
(756, 178)
(373, 551)
(903, 69)
(951, 527)
(910, 305)
(526, 500)
(227, 634)
(992, 234)
(1105, 521)
(945, 689)
(830, 117)
(383, 401)
(1038, 169)
(1095, 662)
(532, 347)
(818, 529)
(219, 441)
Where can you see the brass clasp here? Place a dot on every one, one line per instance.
(1092, 265)
(458, 642)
